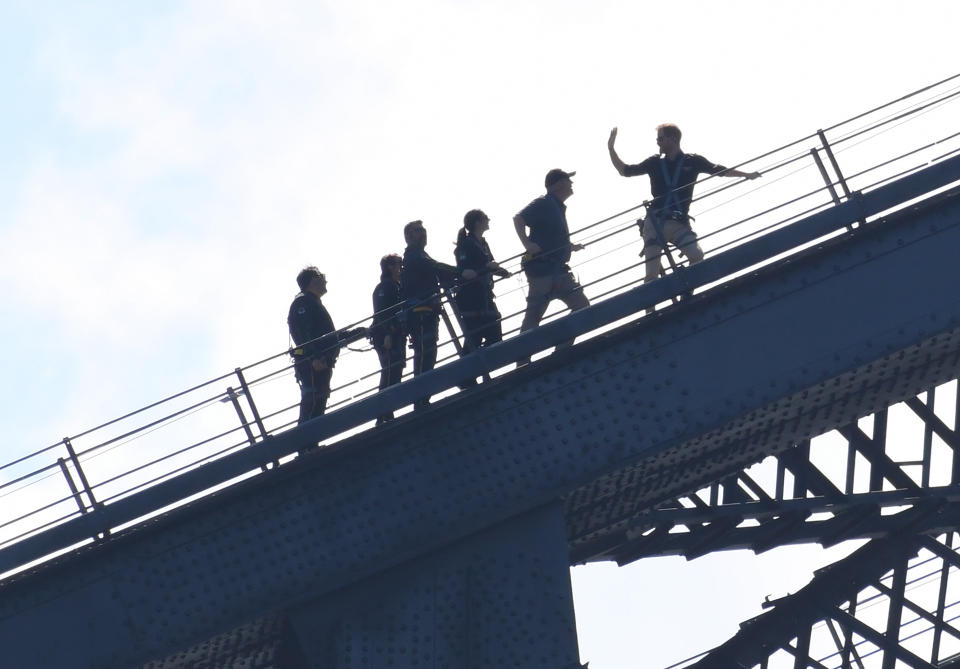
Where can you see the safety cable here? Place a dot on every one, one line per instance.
(185, 467)
(904, 116)
(591, 234)
(905, 155)
(114, 444)
(11, 482)
(43, 508)
(8, 541)
(587, 242)
(760, 157)
(893, 102)
(625, 228)
(921, 108)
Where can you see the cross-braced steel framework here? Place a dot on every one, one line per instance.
(895, 602)
(845, 485)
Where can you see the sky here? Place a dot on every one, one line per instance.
(166, 168)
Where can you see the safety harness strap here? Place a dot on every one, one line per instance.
(671, 201)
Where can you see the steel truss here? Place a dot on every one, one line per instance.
(844, 485)
(895, 602)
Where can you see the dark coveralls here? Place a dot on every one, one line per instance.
(312, 331)
(475, 299)
(386, 321)
(420, 282)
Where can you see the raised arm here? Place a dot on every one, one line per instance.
(614, 158)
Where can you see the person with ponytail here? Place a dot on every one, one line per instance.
(475, 298)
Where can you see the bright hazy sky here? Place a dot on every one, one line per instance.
(167, 167)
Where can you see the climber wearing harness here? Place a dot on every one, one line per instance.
(673, 175)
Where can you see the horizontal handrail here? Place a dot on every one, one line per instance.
(178, 468)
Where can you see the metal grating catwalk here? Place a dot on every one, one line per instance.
(484, 500)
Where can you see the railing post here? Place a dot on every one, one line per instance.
(232, 396)
(73, 486)
(253, 407)
(94, 504)
(826, 177)
(83, 477)
(449, 323)
(235, 400)
(836, 168)
(833, 161)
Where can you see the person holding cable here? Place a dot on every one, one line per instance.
(386, 331)
(420, 280)
(317, 343)
(673, 175)
(475, 298)
(548, 250)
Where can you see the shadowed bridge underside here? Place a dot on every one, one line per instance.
(608, 429)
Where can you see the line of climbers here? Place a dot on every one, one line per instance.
(406, 302)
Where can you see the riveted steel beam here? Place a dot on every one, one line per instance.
(612, 427)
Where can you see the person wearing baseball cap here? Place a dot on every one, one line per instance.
(548, 249)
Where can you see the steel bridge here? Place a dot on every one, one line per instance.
(180, 536)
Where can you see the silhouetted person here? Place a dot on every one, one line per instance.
(420, 282)
(317, 348)
(673, 175)
(317, 342)
(386, 332)
(475, 299)
(548, 250)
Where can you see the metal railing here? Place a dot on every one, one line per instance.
(95, 468)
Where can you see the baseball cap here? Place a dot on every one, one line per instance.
(555, 175)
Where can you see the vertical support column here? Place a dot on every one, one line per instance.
(927, 442)
(802, 453)
(501, 598)
(941, 604)
(879, 439)
(849, 648)
(894, 613)
(954, 455)
(803, 648)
